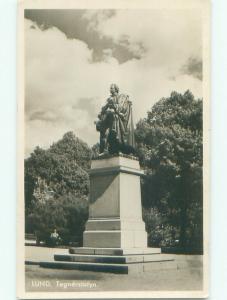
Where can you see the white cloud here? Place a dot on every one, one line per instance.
(60, 72)
(168, 36)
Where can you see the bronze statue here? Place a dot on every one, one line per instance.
(115, 124)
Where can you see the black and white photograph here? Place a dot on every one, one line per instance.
(113, 149)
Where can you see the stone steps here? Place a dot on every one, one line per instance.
(133, 268)
(84, 266)
(111, 259)
(114, 251)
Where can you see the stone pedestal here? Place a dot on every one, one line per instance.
(115, 212)
(115, 239)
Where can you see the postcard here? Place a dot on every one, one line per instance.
(113, 149)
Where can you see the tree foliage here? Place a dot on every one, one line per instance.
(57, 186)
(170, 149)
(67, 214)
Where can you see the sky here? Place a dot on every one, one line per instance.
(72, 57)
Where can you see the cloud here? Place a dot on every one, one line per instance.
(65, 87)
(162, 36)
(80, 24)
(95, 17)
(43, 116)
(194, 67)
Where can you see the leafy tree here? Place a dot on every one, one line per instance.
(170, 149)
(51, 177)
(67, 214)
(73, 149)
(63, 166)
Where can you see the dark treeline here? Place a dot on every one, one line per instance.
(169, 146)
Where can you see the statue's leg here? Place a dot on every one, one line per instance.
(113, 142)
(106, 140)
(110, 133)
(102, 141)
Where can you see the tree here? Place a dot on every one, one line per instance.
(67, 214)
(73, 149)
(63, 166)
(170, 149)
(56, 179)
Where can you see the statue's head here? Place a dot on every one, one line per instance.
(114, 89)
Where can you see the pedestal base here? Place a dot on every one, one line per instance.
(115, 239)
(112, 260)
(114, 251)
(115, 233)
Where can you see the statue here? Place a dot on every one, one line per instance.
(115, 124)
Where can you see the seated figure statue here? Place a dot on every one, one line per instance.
(115, 124)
